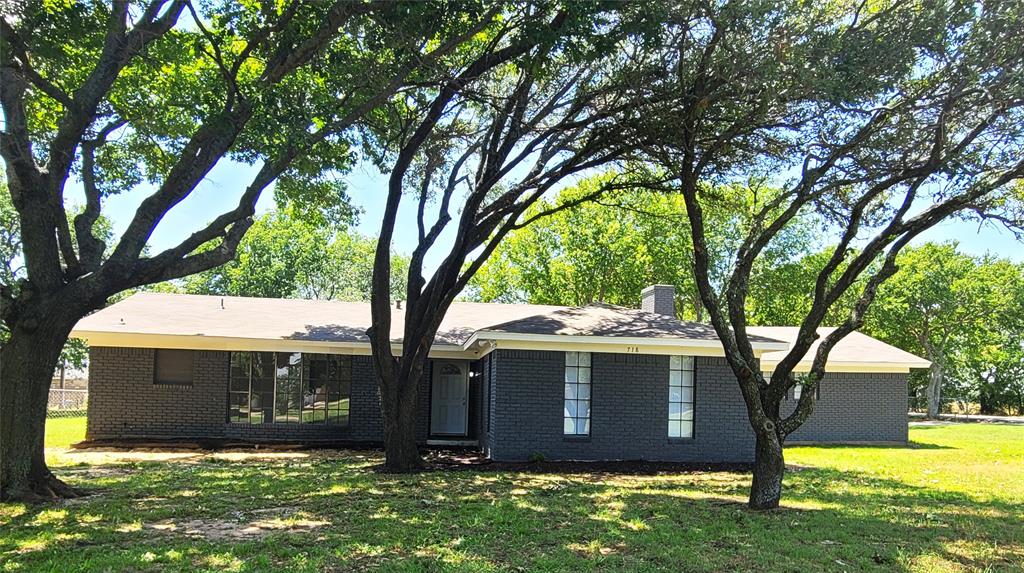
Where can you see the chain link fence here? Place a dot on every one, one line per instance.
(66, 403)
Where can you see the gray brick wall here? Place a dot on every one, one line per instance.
(125, 403)
(660, 299)
(483, 399)
(629, 412)
(855, 407)
(517, 411)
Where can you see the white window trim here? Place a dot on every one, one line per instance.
(578, 366)
(680, 428)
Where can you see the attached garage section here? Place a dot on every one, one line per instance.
(863, 397)
(856, 407)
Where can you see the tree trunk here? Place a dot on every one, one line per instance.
(27, 363)
(398, 406)
(988, 399)
(769, 467)
(934, 390)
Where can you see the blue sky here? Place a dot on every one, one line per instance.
(220, 192)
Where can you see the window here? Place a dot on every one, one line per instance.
(576, 418)
(172, 367)
(328, 389)
(238, 387)
(680, 397)
(288, 393)
(289, 387)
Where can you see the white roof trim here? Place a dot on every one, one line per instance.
(653, 345)
(228, 343)
(846, 366)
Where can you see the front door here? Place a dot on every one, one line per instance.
(449, 399)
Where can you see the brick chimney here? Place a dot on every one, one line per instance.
(659, 299)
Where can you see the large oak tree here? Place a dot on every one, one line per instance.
(534, 102)
(149, 97)
(885, 118)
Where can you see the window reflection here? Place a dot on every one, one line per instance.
(289, 387)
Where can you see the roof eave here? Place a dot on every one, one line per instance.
(853, 367)
(654, 345)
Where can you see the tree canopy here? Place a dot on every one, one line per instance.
(611, 248)
(148, 97)
(884, 119)
(286, 255)
(963, 313)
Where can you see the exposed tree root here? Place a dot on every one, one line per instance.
(44, 489)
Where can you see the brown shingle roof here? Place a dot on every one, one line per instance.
(855, 349)
(283, 319)
(319, 321)
(598, 319)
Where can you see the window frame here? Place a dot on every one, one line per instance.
(682, 364)
(576, 401)
(191, 370)
(336, 381)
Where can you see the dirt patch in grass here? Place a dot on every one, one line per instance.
(107, 456)
(266, 522)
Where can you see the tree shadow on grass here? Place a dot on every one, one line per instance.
(504, 520)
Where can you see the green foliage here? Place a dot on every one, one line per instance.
(987, 368)
(609, 250)
(591, 252)
(780, 291)
(963, 313)
(285, 255)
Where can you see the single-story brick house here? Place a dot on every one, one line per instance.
(589, 383)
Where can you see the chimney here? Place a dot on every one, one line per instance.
(659, 299)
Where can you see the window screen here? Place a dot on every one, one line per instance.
(173, 367)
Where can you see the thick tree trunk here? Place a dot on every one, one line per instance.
(769, 467)
(27, 364)
(398, 407)
(934, 390)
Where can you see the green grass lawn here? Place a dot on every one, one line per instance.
(951, 501)
(62, 432)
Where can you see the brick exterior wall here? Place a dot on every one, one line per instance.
(515, 407)
(124, 403)
(855, 407)
(659, 299)
(629, 410)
